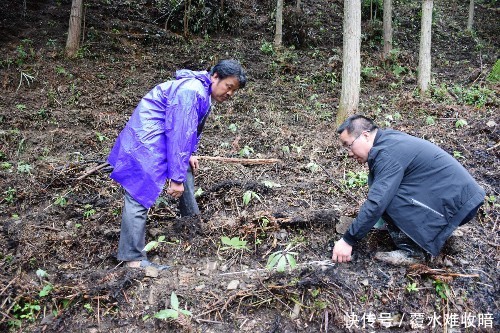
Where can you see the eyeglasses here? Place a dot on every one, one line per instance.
(349, 147)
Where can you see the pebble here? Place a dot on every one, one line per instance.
(233, 285)
(151, 271)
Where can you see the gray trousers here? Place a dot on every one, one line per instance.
(134, 215)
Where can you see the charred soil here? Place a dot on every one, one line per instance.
(60, 117)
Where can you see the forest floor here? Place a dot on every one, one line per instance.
(60, 225)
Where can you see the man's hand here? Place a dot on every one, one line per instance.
(341, 251)
(175, 189)
(193, 162)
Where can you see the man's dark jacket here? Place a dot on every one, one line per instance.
(425, 191)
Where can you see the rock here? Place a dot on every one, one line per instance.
(48, 319)
(365, 282)
(151, 271)
(233, 285)
(491, 123)
(212, 265)
(200, 287)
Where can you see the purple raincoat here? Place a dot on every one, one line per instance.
(161, 135)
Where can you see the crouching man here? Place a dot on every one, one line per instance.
(420, 191)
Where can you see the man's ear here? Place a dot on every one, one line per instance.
(215, 75)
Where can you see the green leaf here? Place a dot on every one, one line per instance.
(291, 260)
(41, 273)
(161, 238)
(46, 290)
(151, 245)
(280, 267)
(174, 301)
(247, 196)
(273, 259)
(167, 314)
(186, 312)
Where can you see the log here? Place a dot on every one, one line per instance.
(240, 160)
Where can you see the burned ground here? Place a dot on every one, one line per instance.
(60, 117)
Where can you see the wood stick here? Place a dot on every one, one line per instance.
(91, 171)
(240, 160)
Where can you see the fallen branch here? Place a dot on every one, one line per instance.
(91, 171)
(310, 263)
(240, 160)
(419, 269)
(210, 158)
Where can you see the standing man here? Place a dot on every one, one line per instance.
(420, 191)
(157, 146)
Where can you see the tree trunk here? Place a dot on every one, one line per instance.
(351, 65)
(75, 28)
(387, 29)
(278, 37)
(187, 9)
(424, 60)
(298, 4)
(470, 21)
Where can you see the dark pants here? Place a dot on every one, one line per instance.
(134, 215)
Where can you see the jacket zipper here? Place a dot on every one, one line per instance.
(418, 203)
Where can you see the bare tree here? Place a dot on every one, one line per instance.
(351, 60)
(75, 28)
(298, 4)
(187, 9)
(424, 59)
(470, 21)
(387, 28)
(278, 37)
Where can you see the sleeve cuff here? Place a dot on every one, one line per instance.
(349, 239)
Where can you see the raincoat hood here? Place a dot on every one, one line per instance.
(202, 76)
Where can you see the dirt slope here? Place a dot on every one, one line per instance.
(60, 117)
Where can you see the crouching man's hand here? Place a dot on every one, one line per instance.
(175, 189)
(341, 251)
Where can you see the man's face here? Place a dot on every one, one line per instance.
(357, 146)
(223, 89)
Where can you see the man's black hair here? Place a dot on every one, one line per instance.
(228, 68)
(356, 124)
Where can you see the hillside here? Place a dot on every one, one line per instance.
(60, 117)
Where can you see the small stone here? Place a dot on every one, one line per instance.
(365, 282)
(212, 265)
(233, 285)
(491, 123)
(205, 272)
(295, 312)
(151, 271)
(223, 268)
(200, 287)
(48, 319)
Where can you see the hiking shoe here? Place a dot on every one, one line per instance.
(398, 258)
(146, 263)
